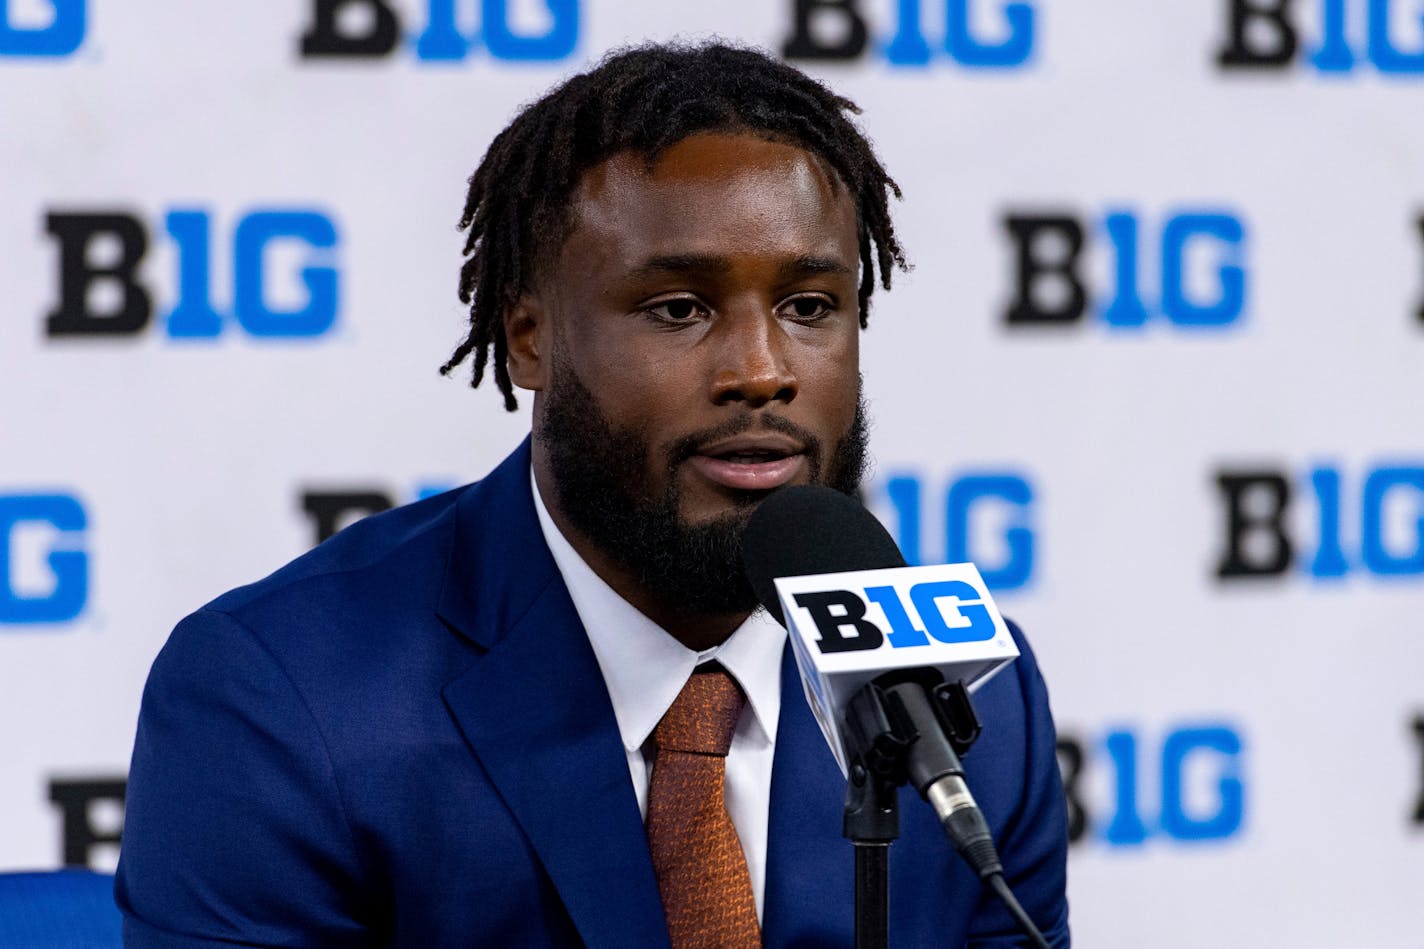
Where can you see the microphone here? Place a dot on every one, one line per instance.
(887, 653)
(829, 572)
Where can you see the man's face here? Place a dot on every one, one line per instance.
(696, 347)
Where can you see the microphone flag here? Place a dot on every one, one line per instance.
(848, 628)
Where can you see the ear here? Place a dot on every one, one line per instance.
(527, 329)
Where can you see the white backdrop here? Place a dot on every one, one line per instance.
(1242, 749)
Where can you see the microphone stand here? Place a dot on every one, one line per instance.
(878, 753)
(878, 736)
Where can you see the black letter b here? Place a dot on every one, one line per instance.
(324, 37)
(803, 44)
(332, 510)
(1273, 557)
(1239, 51)
(1037, 270)
(76, 233)
(832, 626)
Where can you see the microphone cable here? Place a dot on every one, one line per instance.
(935, 771)
(969, 832)
(997, 883)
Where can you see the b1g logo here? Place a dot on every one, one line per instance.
(91, 819)
(372, 28)
(1417, 727)
(987, 518)
(1266, 34)
(975, 34)
(44, 566)
(1200, 791)
(1375, 525)
(946, 611)
(1419, 226)
(100, 293)
(330, 510)
(41, 28)
(1201, 277)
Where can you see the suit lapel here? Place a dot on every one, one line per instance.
(810, 866)
(537, 715)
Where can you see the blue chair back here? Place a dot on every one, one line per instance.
(61, 909)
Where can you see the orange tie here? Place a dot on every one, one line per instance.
(697, 856)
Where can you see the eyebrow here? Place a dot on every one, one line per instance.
(681, 264)
(805, 265)
(811, 264)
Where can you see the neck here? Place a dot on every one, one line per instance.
(696, 631)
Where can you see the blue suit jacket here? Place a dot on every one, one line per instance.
(403, 738)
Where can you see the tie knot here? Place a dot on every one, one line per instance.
(704, 714)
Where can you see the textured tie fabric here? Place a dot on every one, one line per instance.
(697, 856)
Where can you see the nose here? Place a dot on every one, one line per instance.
(752, 368)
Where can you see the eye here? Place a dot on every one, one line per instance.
(807, 309)
(677, 310)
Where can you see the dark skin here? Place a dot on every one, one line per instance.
(720, 282)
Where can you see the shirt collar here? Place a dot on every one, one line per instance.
(643, 666)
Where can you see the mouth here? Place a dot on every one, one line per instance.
(751, 462)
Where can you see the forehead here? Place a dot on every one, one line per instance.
(710, 194)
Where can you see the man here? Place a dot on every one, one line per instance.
(489, 718)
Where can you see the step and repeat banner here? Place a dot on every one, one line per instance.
(1158, 370)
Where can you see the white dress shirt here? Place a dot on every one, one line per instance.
(645, 668)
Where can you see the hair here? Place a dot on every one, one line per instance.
(644, 99)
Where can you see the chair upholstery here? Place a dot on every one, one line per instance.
(61, 909)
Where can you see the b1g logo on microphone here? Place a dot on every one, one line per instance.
(41, 28)
(102, 294)
(1186, 270)
(988, 517)
(44, 564)
(1364, 521)
(848, 628)
(539, 31)
(839, 616)
(1267, 35)
(913, 610)
(973, 34)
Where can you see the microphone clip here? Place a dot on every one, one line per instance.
(955, 711)
(879, 734)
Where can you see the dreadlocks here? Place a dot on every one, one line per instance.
(645, 99)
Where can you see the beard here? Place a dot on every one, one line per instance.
(603, 486)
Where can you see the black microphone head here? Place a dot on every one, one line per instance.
(810, 529)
